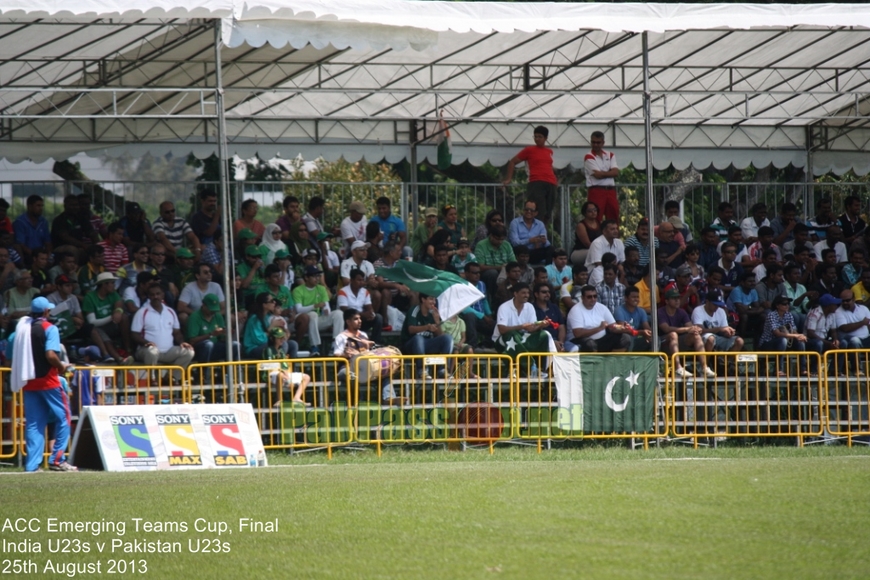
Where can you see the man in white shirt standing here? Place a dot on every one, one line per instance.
(156, 330)
(601, 169)
(593, 328)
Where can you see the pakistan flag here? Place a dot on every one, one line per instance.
(62, 317)
(605, 394)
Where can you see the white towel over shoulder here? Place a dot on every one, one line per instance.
(22, 355)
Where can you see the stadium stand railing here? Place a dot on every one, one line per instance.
(847, 394)
(10, 419)
(754, 394)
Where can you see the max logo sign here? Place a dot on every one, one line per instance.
(181, 446)
(134, 443)
(227, 442)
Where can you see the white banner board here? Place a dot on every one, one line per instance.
(158, 437)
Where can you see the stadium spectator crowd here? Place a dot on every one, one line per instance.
(140, 292)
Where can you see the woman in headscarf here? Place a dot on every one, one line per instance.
(272, 242)
(300, 242)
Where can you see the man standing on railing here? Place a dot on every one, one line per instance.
(542, 180)
(601, 169)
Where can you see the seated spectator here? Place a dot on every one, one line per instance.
(39, 272)
(780, 334)
(743, 300)
(163, 273)
(285, 302)
(261, 318)
(493, 217)
(439, 238)
(455, 327)
(640, 242)
(353, 227)
(833, 241)
(803, 259)
(114, 250)
(175, 233)
(682, 283)
(770, 287)
(852, 322)
(630, 313)
(540, 277)
(251, 270)
(608, 242)
(824, 218)
(392, 293)
(7, 271)
(585, 232)
(87, 276)
(531, 232)
(768, 258)
(735, 236)
(821, 328)
(757, 219)
(800, 298)
(593, 327)
(861, 290)
(31, 229)
(527, 271)
(559, 272)
(207, 332)
(394, 229)
(449, 223)
(137, 228)
(478, 317)
(157, 333)
(374, 239)
(65, 264)
(679, 230)
(71, 231)
(288, 276)
(493, 254)
(756, 250)
(672, 210)
(355, 296)
(504, 292)
(631, 269)
(800, 238)
(545, 310)
(5, 222)
(462, 256)
(669, 247)
(312, 300)
(301, 243)
(708, 248)
(135, 297)
(206, 224)
(67, 312)
(724, 220)
(244, 239)
(596, 276)
(357, 261)
(19, 297)
(441, 260)
(425, 231)
(283, 378)
(518, 330)
(784, 224)
(271, 243)
(248, 219)
(677, 333)
(713, 284)
(193, 293)
(851, 272)
(104, 310)
(127, 273)
(693, 254)
(352, 342)
(611, 293)
(827, 281)
(717, 335)
(851, 224)
(289, 218)
(422, 333)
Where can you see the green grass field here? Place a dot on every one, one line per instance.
(773, 512)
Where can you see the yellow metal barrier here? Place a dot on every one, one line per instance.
(753, 394)
(847, 397)
(127, 385)
(433, 398)
(11, 434)
(591, 395)
(322, 419)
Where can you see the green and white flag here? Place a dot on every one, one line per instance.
(454, 294)
(605, 394)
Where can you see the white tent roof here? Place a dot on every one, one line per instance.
(730, 84)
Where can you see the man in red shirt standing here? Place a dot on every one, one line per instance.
(542, 180)
(600, 167)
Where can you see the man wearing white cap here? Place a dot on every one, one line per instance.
(357, 260)
(353, 227)
(156, 329)
(104, 310)
(35, 350)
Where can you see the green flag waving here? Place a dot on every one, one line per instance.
(613, 394)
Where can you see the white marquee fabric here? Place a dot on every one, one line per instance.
(730, 84)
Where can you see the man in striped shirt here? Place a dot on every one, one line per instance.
(114, 252)
(175, 232)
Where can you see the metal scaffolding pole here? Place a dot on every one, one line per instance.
(650, 199)
(223, 155)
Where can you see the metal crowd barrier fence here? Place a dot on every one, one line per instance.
(11, 434)
(591, 396)
(127, 385)
(322, 419)
(847, 393)
(433, 398)
(759, 394)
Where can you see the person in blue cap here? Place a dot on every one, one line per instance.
(35, 351)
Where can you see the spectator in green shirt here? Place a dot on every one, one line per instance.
(104, 310)
(207, 332)
(312, 300)
(285, 303)
(492, 254)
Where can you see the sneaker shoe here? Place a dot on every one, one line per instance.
(63, 466)
(683, 373)
(710, 373)
(314, 351)
(127, 361)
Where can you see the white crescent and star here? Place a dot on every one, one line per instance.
(608, 392)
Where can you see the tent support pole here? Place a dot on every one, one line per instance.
(650, 198)
(224, 197)
(414, 193)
